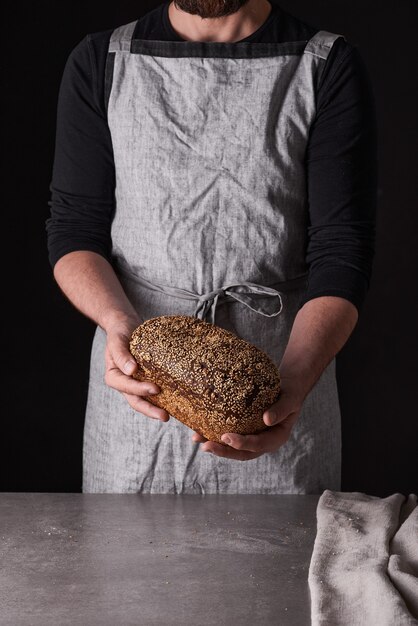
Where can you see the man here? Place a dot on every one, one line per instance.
(215, 147)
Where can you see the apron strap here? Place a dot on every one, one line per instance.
(321, 43)
(121, 37)
(246, 292)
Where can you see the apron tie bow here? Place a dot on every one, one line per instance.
(246, 292)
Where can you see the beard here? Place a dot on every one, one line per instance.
(210, 8)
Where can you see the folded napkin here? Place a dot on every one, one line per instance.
(364, 565)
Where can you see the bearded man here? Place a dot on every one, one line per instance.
(226, 150)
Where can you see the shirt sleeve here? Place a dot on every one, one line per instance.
(83, 175)
(342, 172)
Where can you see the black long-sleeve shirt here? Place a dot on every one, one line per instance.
(341, 157)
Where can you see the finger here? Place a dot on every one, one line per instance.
(280, 410)
(268, 440)
(118, 348)
(125, 384)
(145, 407)
(229, 453)
(199, 438)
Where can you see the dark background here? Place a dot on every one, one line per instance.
(47, 342)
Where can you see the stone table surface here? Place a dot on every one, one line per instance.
(155, 559)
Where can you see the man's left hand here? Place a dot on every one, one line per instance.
(280, 417)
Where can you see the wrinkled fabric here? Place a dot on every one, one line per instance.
(210, 192)
(364, 565)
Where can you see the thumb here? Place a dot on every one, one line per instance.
(278, 411)
(120, 353)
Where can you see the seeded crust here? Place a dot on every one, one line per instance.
(211, 380)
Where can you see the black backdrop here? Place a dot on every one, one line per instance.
(47, 342)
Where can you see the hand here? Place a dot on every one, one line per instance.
(281, 417)
(120, 365)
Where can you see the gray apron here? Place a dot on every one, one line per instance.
(211, 220)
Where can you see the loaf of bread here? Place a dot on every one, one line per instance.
(211, 380)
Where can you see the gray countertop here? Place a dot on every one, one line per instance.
(155, 559)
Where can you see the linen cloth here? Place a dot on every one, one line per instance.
(364, 565)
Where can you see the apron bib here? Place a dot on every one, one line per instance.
(211, 220)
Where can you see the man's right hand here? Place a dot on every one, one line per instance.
(120, 365)
(89, 281)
